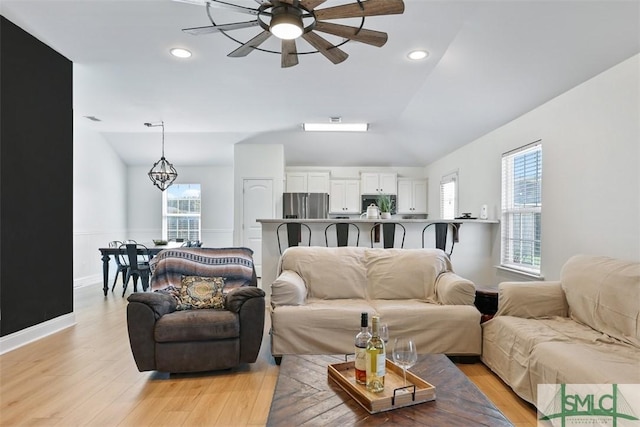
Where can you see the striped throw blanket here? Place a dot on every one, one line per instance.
(234, 264)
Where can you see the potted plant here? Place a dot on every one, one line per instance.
(385, 205)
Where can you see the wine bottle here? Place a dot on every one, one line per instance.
(376, 358)
(361, 349)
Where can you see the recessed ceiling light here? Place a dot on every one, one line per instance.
(417, 55)
(180, 53)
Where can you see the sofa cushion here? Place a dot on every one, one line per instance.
(603, 293)
(508, 343)
(449, 329)
(318, 327)
(288, 289)
(404, 273)
(201, 292)
(197, 325)
(598, 363)
(329, 273)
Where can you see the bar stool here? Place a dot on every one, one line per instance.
(342, 231)
(388, 234)
(441, 232)
(294, 234)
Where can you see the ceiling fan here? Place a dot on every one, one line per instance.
(291, 19)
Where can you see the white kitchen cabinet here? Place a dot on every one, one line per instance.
(307, 182)
(412, 196)
(297, 182)
(344, 196)
(318, 182)
(374, 183)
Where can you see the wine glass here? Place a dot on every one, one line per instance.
(383, 330)
(405, 354)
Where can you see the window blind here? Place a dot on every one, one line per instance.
(522, 208)
(181, 208)
(448, 196)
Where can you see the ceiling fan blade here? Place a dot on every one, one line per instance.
(234, 7)
(194, 2)
(374, 38)
(249, 46)
(311, 4)
(289, 54)
(223, 27)
(353, 10)
(307, 4)
(331, 52)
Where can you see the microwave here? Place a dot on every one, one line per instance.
(368, 199)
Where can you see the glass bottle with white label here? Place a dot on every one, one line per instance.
(376, 358)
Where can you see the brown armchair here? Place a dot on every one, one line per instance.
(165, 339)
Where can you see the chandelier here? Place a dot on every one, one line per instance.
(162, 174)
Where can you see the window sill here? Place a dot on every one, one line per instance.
(520, 272)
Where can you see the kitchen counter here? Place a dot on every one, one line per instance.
(371, 221)
(472, 256)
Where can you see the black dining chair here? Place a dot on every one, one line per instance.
(138, 258)
(342, 232)
(441, 235)
(295, 234)
(121, 264)
(388, 234)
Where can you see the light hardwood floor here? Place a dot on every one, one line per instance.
(85, 375)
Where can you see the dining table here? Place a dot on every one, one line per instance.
(107, 253)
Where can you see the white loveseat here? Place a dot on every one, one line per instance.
(320, 292)
(583, 329)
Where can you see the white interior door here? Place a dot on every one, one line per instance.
(257, 203)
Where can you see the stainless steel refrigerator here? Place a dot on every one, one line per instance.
(305, 205)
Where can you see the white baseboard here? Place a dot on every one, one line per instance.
(87, 280)
(36, 332)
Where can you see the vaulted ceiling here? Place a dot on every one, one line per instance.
(489, 62)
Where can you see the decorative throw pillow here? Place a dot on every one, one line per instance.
(201, 292)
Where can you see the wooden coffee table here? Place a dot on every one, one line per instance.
(305, 395)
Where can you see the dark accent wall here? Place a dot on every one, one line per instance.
(36, 181)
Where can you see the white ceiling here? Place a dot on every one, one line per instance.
(490, 62)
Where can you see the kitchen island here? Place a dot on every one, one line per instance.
(471, 258)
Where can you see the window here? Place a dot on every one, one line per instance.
(449, 196)
(181, 212)
(522, 208)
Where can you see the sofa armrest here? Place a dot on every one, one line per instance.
(452, 289)
(235, 299)
(532, 299)
(288, 289)
(158, 302)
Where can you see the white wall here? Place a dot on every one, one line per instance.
(99, 201)
(144, 203)
(591, 161)
(259, 162)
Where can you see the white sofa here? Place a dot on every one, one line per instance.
(583, 329)
(320, 292)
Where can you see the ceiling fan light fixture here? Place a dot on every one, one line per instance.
(286, 23)
(335, 127)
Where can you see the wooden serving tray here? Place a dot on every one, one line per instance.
(395, 395)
